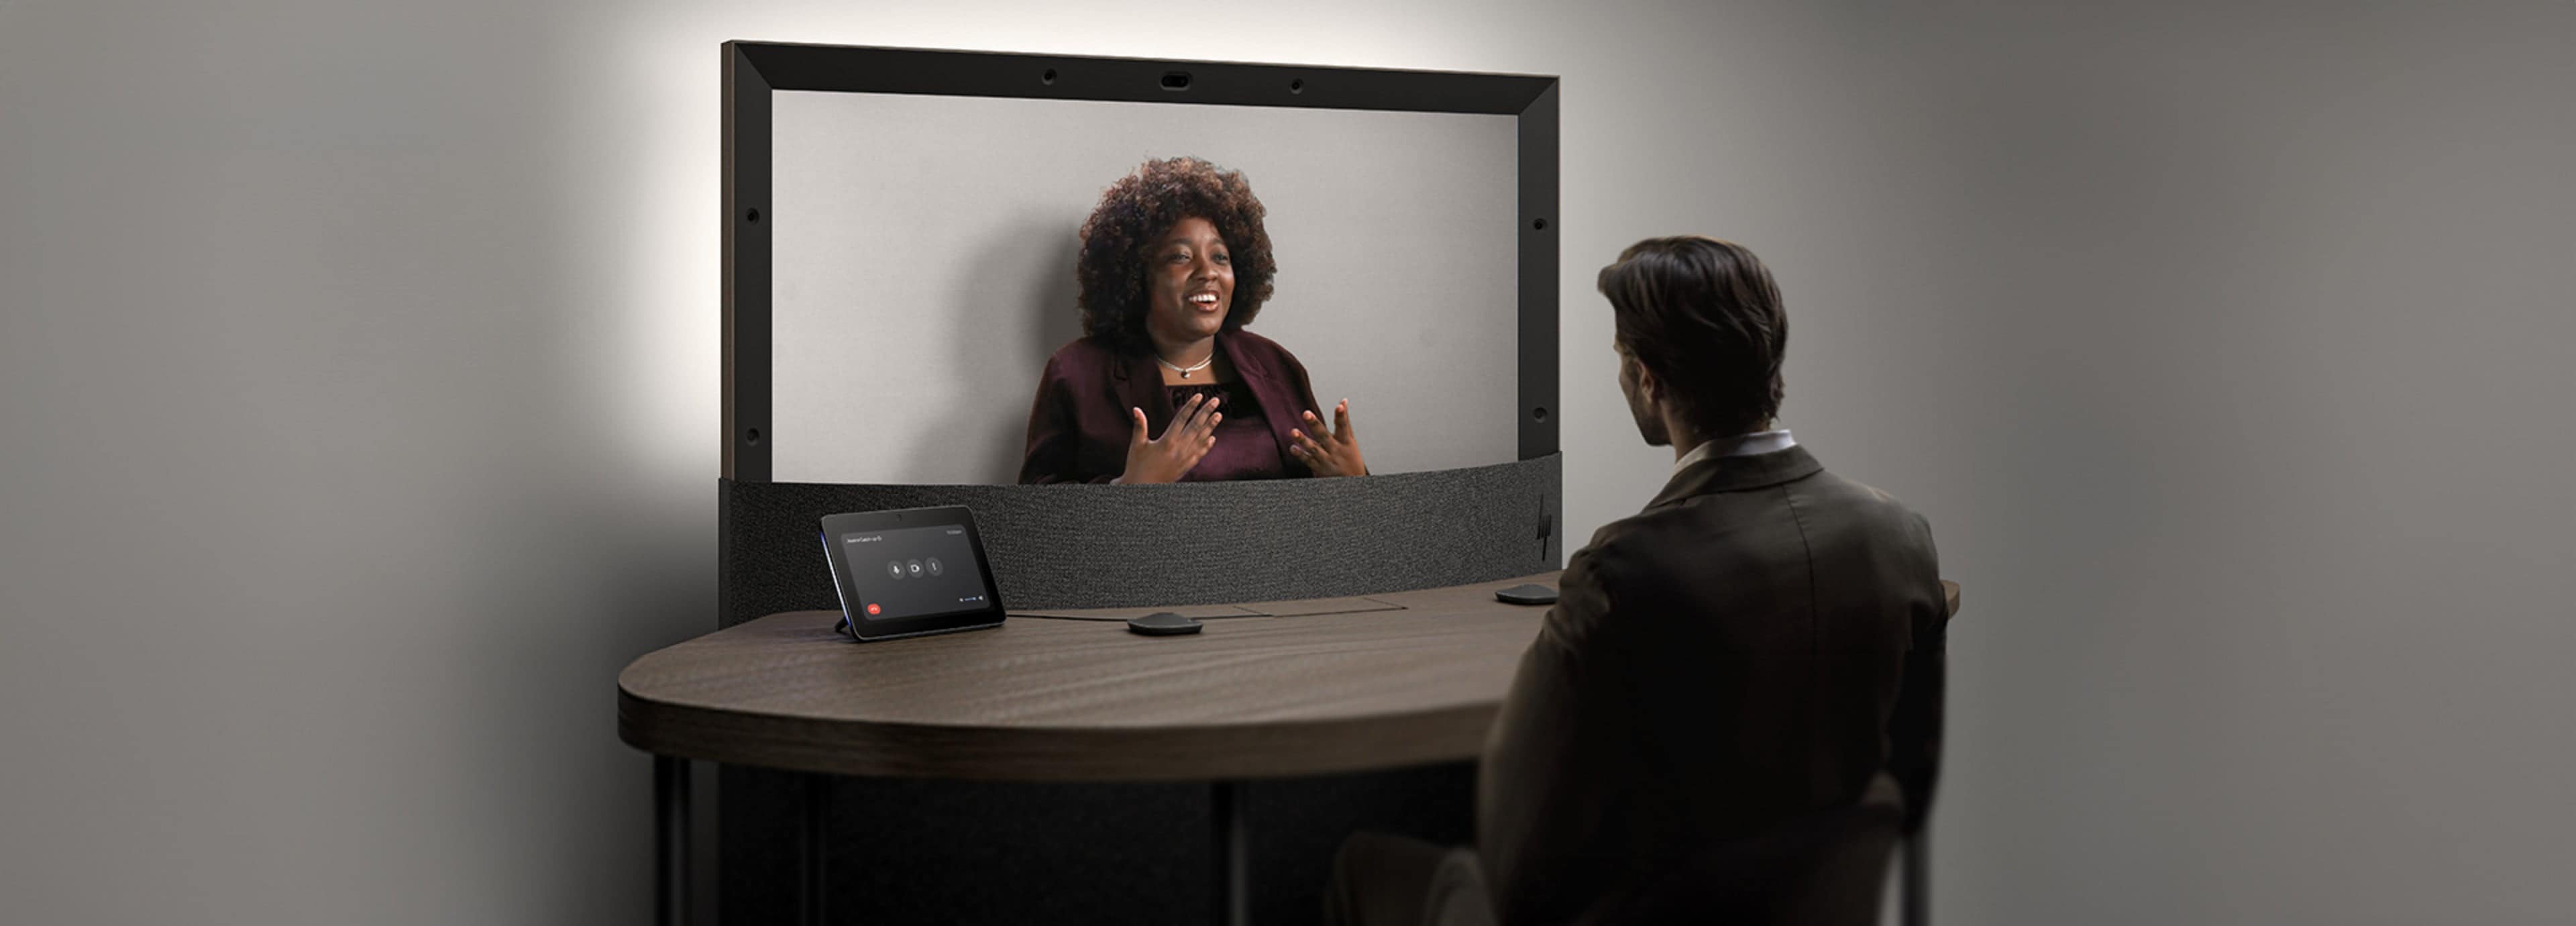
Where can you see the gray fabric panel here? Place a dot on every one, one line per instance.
(1105, 546)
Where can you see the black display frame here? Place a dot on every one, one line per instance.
(753, 70)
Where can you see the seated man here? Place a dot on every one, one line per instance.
(1734, 705)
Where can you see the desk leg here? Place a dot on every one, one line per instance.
(1233, 853)
(1917, 899)
(670, 840)
(810, 856)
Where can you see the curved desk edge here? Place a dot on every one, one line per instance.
(1444, 722)
(1176, 753)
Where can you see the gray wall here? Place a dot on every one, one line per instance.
(358, 419)
(924, 249)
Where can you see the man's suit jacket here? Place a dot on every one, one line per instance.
(1078, 424)
(1755, 647)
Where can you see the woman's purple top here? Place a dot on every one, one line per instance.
(1244, 448)
(1078, 425)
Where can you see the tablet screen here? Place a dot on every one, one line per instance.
(912, 572)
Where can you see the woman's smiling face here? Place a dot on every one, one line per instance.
(1189, 282)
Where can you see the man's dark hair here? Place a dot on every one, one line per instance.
(1704, 317)
(1143, 205)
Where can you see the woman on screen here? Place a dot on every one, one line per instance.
(1165, 385)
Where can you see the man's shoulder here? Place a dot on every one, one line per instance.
(1650, 549)
(1666, 529)
(1865, 506)
(1705, 537)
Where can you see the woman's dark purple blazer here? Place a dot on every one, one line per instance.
(1078, 427)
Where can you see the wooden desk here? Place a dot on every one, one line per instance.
(1415, 678)
(1267, 689)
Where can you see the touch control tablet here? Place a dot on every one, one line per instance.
(909, 572)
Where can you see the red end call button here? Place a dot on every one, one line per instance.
(872, 609)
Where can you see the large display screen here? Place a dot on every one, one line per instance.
(925, 252)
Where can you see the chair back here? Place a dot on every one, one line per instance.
(1823, 869)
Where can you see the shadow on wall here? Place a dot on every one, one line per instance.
(1034, 314)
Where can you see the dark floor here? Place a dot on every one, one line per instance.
(947, 852)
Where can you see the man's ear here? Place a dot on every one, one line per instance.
(1648, 388)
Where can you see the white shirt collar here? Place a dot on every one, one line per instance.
(1772, 441)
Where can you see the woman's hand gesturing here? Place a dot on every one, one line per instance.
(1167, 458)
(1338, 454)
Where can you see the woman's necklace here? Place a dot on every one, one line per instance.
(1187, 370)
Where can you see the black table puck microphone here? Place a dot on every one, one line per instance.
(1527, 594)
(1163, 624)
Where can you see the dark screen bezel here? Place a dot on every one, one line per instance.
(754, 70)
(845, 581)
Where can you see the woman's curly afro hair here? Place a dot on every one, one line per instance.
(1134, 213)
